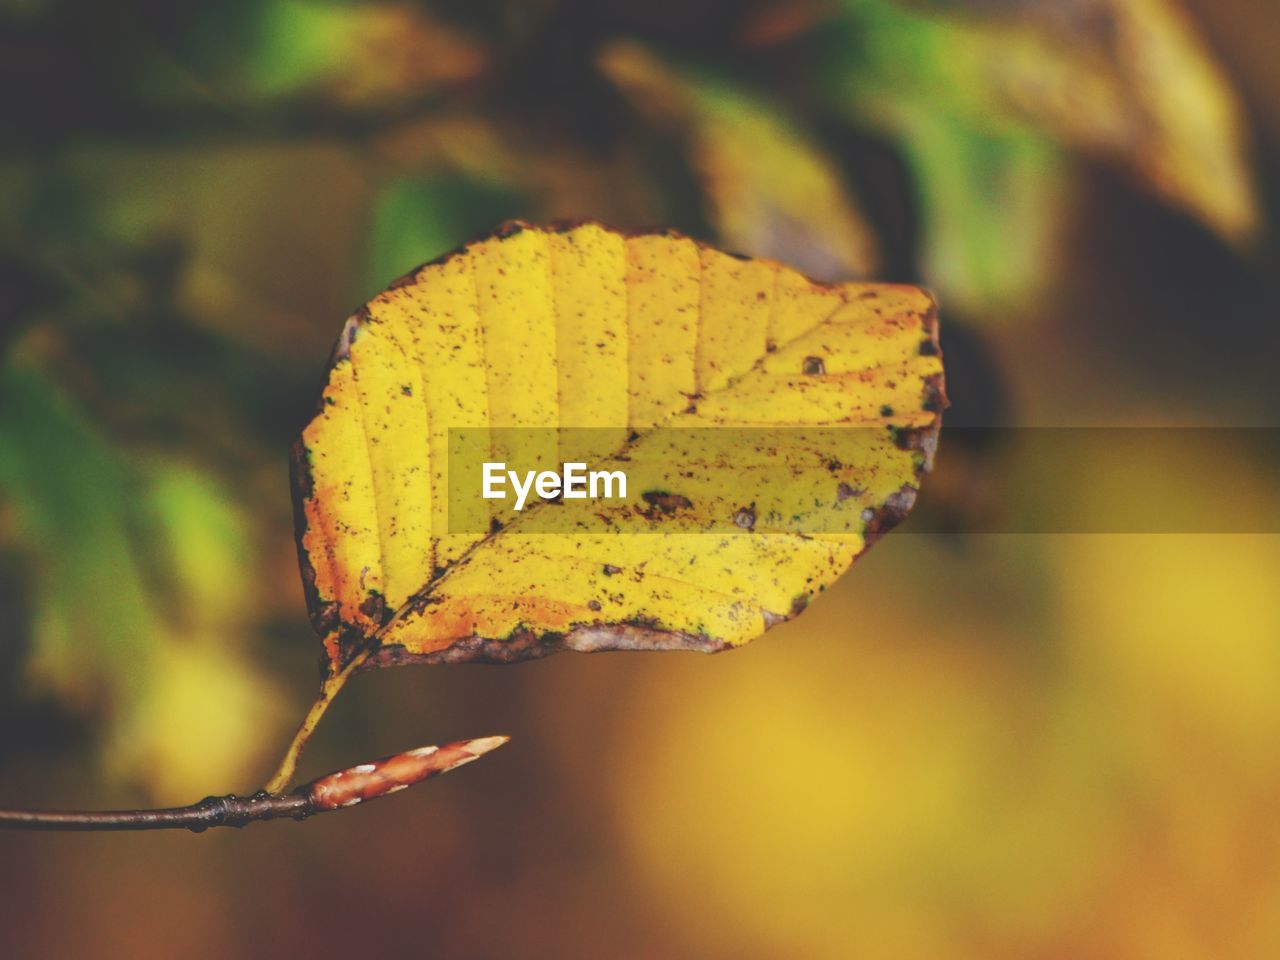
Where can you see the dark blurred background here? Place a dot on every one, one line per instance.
(974, 746)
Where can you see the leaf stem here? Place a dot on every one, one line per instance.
(328, 690)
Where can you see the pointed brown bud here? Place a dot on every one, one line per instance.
(367, 781)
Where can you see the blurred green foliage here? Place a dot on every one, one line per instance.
(66, 487)
(416, 214)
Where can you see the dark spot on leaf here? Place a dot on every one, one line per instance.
(350, 331)
(665, 502)
(813, 367)
(911, 438)
(374, 607)
(745, 517)
(325, 615)
(350, 642)
(935, 398)
(594, 605)
(886, 411)
(647, 623)
(610, 570)
(893, 511)
(846, 492)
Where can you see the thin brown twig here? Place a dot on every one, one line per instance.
(336, 791)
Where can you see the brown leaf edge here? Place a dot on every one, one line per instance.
(523, 643)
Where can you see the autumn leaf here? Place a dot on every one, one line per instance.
(631, 339)
(353, 55)
(1152, 98)
(770, 189)
(1128, 81)
(994, 204)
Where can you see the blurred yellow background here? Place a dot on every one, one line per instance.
(976, 745)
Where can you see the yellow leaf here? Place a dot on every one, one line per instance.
(651, 343)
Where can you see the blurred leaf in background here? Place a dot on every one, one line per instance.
(137, 568)
(69, 494)
(770, 190)
(307, 48)
(249, 57)
(416, 216)
(979, 90)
